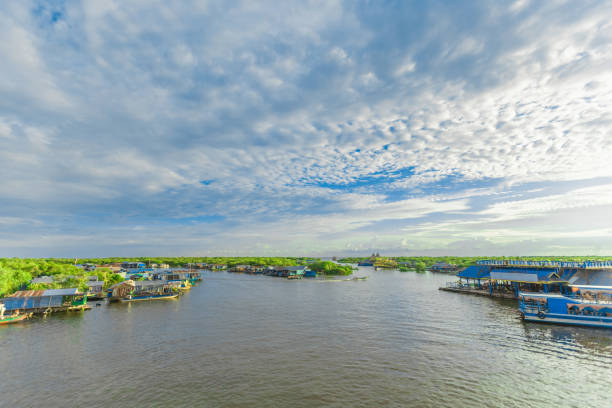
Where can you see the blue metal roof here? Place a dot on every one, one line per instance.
(472, 272)
(594, 278)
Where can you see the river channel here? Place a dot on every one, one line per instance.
(255, 341)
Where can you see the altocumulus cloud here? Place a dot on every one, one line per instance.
(135, 128)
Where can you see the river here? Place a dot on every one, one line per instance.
(254, 341)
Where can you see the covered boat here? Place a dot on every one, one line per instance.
(132, 291)
(580, 309)
(14, 318)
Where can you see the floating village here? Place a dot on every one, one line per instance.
(570, 293)
(139, 282)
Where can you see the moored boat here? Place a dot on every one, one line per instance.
(133, 291)
(14, 318)
(575, 310)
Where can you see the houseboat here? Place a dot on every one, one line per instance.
(579, 310)
(291, 272)
(95, 290)
(443, 267)
(132, 291)
(45, 301)
(185, 277)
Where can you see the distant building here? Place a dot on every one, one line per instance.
(443, 267)
(42, 279)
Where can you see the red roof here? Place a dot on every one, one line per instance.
(28, 293)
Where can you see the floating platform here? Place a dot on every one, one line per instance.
(478, 292)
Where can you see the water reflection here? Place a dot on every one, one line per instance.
(239, 340)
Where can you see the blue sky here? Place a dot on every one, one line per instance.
(305, 128)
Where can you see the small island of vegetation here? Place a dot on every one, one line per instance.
(330, 268)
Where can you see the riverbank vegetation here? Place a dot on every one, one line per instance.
(16, 273)
(181, 261)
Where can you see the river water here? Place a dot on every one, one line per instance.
(254, 341)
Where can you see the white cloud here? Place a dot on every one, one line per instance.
(303, 118)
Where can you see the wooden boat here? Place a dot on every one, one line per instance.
(14, 318)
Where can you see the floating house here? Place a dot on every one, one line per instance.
(216, 267)
(45, 301)
(443, 267)
(133, 265)
(506, 278)
(196, 265)
(239, 268)
(287, 271)
(130, 291)
(250, 269)
(183, 276)
(133, 268)
(96, 289)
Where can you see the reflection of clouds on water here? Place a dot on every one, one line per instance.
(573, 340)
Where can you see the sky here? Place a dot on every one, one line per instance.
(306, 128)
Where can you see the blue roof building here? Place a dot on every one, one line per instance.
(512, 276)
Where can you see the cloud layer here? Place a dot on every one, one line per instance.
(142, 128)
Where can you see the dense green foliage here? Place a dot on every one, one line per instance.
(183, 260)
(15, 274)
(330, 268)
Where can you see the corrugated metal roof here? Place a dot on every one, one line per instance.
(61, 292)
(150, 283)
(471, 272)
(525, 275)
(513, 276)
(125, 282)
(27, 293)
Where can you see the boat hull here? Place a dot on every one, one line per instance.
(13, 319)
(573, 320)
(141, 298)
